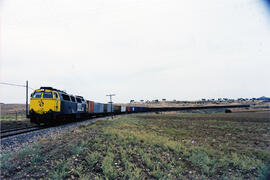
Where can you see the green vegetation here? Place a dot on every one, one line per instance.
(155, 146)
(12, 121)
(12, 117)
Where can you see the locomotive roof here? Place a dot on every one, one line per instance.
(50, 88)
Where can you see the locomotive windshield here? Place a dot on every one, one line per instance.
(47, 95)
(37, 95)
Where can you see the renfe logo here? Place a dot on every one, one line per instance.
(41, 103)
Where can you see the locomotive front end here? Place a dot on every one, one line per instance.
(45, 104)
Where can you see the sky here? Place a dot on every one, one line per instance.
(136, 49)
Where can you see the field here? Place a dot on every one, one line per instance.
(13, 116)
(152, 146)
(13, 121)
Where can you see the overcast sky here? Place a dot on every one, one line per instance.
(137, 49)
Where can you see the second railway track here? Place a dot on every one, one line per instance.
(13, 132)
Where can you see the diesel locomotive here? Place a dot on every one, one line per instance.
(49, 105)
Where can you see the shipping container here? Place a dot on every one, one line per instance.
(105, 107)
(117, 109)
(90, 106)
(123, 108)
(98, 108)
(110, 108)
(128, 109)
(140, 109)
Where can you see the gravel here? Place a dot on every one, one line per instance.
(15, 143)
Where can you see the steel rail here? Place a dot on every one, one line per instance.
(21, 131)
(16, 129)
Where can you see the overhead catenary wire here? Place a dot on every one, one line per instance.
(18, 85)
(24, 86)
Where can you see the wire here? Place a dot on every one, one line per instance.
(18, 85)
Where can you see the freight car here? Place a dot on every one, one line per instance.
(49, 105)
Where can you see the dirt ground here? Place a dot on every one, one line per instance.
(8, 109)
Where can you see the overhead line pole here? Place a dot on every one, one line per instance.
(26, 106)
(111, 101)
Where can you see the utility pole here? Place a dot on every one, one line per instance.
(26, 106)
(111, 101)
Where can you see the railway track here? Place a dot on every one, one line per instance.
(16, 129)
(14, 132)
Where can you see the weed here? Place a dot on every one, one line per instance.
(78, 172)
(92, 159)
(4, 163)
(245, 163)
(107, 166)
(177, 171)
(61, 170)
(157, 173)
(77, 149)
(264, 172)
(37, 158)
(136, 173)
(131, 171)
(25, 152)
(147, 160)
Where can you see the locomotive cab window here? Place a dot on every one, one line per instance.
(79, 100)
(37, 95)
(72, 98)
(47, 95)
(55, 95)
(65, 97)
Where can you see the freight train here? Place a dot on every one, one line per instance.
(49, 105)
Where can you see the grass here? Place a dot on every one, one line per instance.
(152, 146)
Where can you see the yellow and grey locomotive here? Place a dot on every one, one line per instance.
(48, 104)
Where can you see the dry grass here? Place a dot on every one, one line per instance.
(152, 146)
